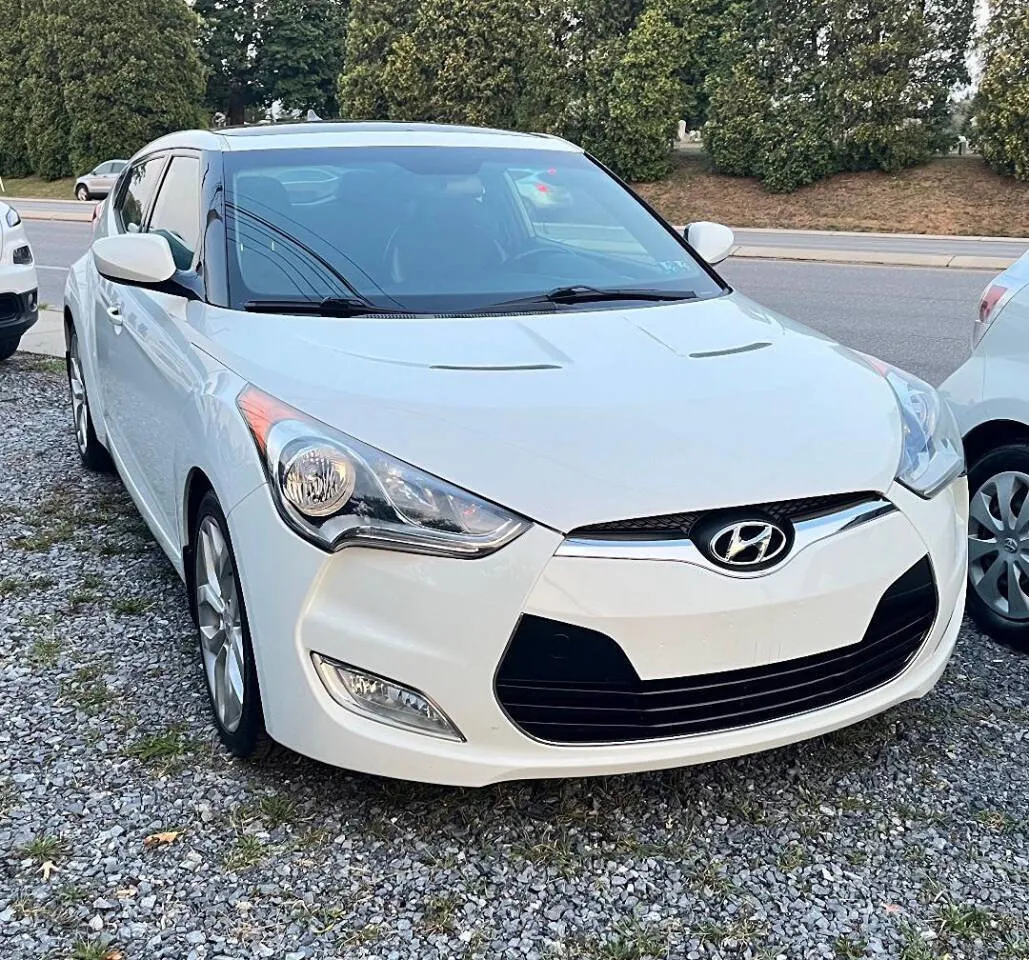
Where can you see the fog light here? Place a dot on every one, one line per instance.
(384, 700)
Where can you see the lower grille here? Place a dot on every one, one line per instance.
(566, 684)
(10, 306)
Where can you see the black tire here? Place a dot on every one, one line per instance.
(82, 192)
(247, 739)
(7, 348)
(91, 450)
(1011, 631)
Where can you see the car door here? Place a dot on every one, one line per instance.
(150, 348)
(98, 179)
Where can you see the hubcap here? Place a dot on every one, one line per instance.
(998, 544)
(221, 626)
(79, 403)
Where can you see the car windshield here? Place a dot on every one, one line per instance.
(439, 230)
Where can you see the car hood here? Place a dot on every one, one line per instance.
(580, 417)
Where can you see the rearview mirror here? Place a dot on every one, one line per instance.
(712, 241)
(137, 258)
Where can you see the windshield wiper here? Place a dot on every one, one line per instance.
(585, 294)
(329, 307)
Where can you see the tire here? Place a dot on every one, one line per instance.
(82, 192)
(999, 545)
(225, 650)
(7, 348)
(94, 457)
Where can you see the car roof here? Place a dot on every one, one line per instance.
(280, 136)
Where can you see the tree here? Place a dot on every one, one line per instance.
(14, 157)
(462, 62)
(1001, 117)
(373, 26)
(817, 86)
(47, 123)
(299, 53)
(228, 45)
(130, 73)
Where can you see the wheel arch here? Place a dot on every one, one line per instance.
(197, 485)
(994, 433)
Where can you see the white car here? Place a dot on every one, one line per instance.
(18, 284)
(457, 501)
(990, 397)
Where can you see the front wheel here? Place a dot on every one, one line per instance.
(998, 544)
(226, 652)
(7, 348)
(94, 456)
(82, 192)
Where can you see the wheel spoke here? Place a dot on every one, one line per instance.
(979, 510)
(1018, 603)
(988, 584)
(980, 549)
(1005, 486)
(208, 596)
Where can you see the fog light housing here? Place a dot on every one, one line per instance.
(384, 700)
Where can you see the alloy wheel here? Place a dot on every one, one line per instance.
(221, 623)
(998, 544)
(79, 400)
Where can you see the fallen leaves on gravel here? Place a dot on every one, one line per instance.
(161, 839)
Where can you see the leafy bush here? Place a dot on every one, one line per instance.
(818, 86)
(1001, 117)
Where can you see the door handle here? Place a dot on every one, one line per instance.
(114, 314)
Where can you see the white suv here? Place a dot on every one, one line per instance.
(990, 397)
(18, 284)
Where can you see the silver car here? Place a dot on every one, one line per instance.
(100, 181)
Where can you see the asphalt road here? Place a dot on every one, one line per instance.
(918, 318)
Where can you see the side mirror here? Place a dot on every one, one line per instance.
(136, 258)
(712, 241)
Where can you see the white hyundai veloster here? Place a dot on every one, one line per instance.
(467, 487)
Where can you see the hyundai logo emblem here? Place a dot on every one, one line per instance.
(748, 544)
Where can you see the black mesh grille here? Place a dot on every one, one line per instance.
(10, 305)
(566, 684)
(675, 525)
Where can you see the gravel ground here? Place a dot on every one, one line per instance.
(126, 832)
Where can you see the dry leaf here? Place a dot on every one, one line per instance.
(114, 954)
(161, 839)
(46, 869)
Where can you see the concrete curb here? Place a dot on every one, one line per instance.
(892, 258)
(67, 215)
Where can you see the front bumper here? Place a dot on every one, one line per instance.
(18, 311)
(442, 626)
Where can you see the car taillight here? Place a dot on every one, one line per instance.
(994, 297)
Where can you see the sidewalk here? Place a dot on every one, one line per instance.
(46, 336)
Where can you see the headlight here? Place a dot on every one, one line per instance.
(11, 217)
(933, 453)
(337, 492)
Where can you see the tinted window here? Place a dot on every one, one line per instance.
(102, 169)
(438, 230)
(176, 213)
(117, 166)
(137, 189)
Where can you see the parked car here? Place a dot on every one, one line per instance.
(18, 284)
(100, 180)
(461, 498)
(990, 396)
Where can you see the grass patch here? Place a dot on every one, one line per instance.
(954, 195)
(440, 913)
(276, 810)
(850, 948)
(130, 606)
(45, 651)
(630, 941)
(165, 750)
(247, 852)
(87, 689)
(43, 847)
(13, 587)
(36, 188)
(964, 921)
(90, 950)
